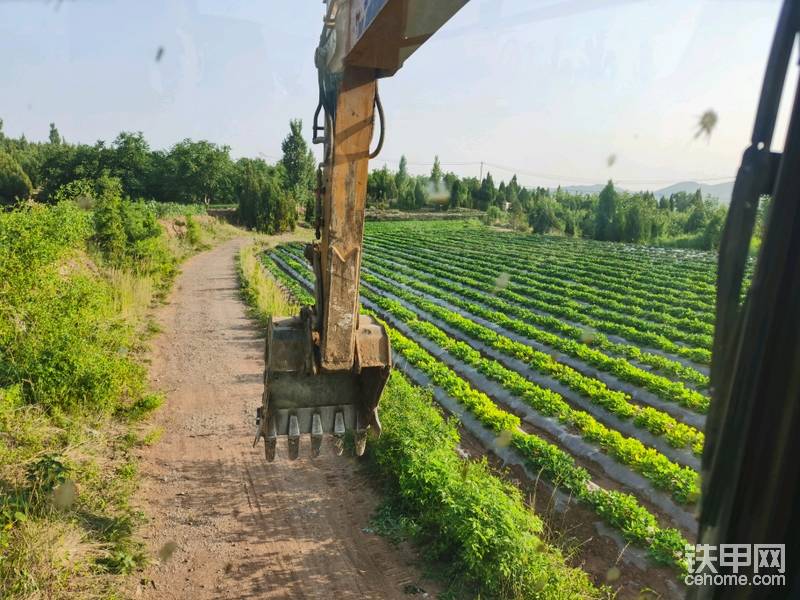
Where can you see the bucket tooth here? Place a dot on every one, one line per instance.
(294, 437)
(338, 432)
(360, 437)
(270, 440)
(316, 434)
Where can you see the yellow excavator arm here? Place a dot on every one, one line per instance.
(326, 368)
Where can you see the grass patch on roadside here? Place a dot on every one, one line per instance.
(261, 291)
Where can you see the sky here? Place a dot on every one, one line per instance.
(548, 89)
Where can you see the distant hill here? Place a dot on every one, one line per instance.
(584, 189)
(717, 190)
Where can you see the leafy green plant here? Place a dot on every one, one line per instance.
(457, 510)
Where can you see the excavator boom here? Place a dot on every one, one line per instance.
(326, 368)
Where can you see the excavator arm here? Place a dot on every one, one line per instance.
(326, 368)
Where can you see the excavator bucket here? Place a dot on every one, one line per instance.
(302, 400)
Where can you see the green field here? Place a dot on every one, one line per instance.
(590, 360)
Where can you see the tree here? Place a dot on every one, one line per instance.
(198, 172)
(663, 203)
(401, 178)
(542, 217)
(380, 186)
(130, 160)
(493, 215)
(252, 175)
(636, 229)
(606, 213)
(109, 226)
(299, 163)
(697, 220)
(406, 200)
(458, 194)
(308, 209)
(436, 172)
(487, 192)
(420, 195)
(264, 204)
(517, 217)
(712, 234)
(80, 191)
(14, 182)
(54, 137)
(282, 210)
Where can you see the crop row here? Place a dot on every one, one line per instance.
(679, 481)
(551, 263)
(297, 291)
(467, 287)
(459, 510)
(549, 304)
(666, 389)
(631, 260)
(655, 311)
(547, 298)
(632, 265)
(675, 391)
(620, 510)
(615, 402)
(672, 391)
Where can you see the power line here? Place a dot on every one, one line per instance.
(534, 174)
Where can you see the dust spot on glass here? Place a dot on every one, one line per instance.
(64, 495)
(502, 281)
(504, 439)
(706, 123)
(167, 550)
(612, 158)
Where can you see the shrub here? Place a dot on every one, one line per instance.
(109, 226)
(58, 332)
(14, 183)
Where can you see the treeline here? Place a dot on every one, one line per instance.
(635, 217)
(686, 219)
(269, 197)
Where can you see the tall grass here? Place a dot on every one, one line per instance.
(261, 292)
(132, 294)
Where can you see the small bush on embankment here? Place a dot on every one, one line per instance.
(74, 288)
(458, 511)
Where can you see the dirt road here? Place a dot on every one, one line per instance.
(241, 528)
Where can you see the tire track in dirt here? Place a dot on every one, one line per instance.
(243, 528)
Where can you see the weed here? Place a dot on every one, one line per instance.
(260, 290)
